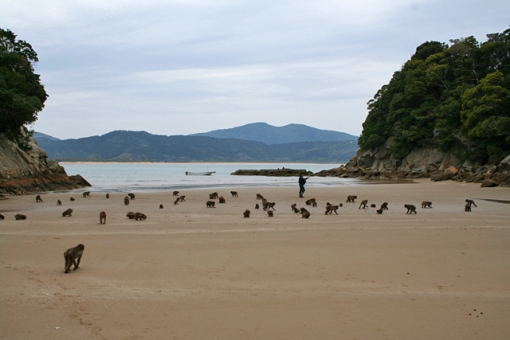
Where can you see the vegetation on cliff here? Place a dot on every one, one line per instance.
(446, 97)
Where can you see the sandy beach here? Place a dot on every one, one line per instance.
(191, 272)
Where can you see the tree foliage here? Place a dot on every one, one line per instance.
(22, 95)
(445, 96)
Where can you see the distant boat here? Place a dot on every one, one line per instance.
(204, 173)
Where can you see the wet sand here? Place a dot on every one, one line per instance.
(191, 272)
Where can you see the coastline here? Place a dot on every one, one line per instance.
(194, 272)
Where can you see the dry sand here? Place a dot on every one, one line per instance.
(189, 272)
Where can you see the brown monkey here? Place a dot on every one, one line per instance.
(86, 194)
(264, 201)
(269, 205)
(161, 206)
(20, 217)
(73, 256)
(107, 195)
(140, 217)
(311, 202)
(182, 198)
(72, 199)
(467, 207)
(213, 196)
(426, 204)
(68, 212)
(210, 204)
(102, 217)
(372, 205)
(256, 206)
(1, 217)
(175, 193)
(177, 201)
(59, 202)
(331, 208)
(292, 207)
(221, 199)
(131, 196)
(234, 194)
(384, 206)
(351, 199)
(269, 213)
(246, 213)
(126, 200)
(470, 202)
(304, 213)
(130, 215)
(38, 199)
(363, 204)
(296, 210)
(260, 197)
(410, 208)
(379, 211)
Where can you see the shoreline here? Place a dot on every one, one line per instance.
(189, 271)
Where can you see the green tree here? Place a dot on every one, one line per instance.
(22, 95)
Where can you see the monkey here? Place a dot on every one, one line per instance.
(175, 193)
(246, 213)
(222, 200)
(72, 199)
(177, 201)
(410, 208)
(73, 256)
(467, 207)
(126, 200)
(182, 198)
(213, 196)
(311, 202)
(38, 199)
(161, 206)
(140, 217)
(131, 196)
(210, 204)
(269, 213)
(304, 213)
(107, 195)
(264, 201)
(256, 206)
(351, 199)
(426, 204)
(363, 204)
(86, 194)
(130, 215)
(372, 205)
(269, 205)
(296, 210)
(260, 197)
(292, 207)
(68, 212)
(330, 208)
(470, 202)
(59, 202)
(384, 206)
(102, 217)
(1, 217)
(20, 217)
(234, 194)
(379, 211)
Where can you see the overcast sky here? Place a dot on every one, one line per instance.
(187, 66)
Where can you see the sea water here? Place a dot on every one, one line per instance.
(121, 177)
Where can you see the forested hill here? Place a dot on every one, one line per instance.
(268, 134)
(447, 97)
(131, 146)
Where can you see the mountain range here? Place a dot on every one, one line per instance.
(140, 146)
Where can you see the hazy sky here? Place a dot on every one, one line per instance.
(185, 66)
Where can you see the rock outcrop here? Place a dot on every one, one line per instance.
(24, 172)
(421, 163)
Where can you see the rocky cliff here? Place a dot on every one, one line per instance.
(23, 172)
(421, 163)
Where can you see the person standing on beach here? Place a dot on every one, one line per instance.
(302, 182)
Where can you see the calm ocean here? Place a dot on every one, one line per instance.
(121, 177)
